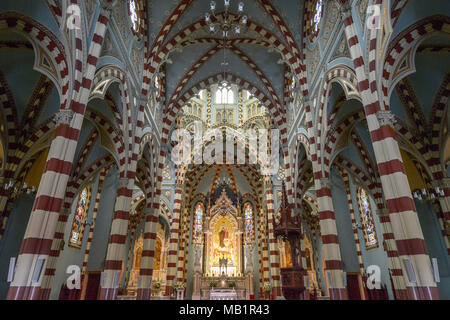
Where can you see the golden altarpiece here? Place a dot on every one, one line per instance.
(222, 275)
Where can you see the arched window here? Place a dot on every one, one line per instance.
(134, 15)
(224, 96)
(248, 221)
(318, 13)
(198, 222)
(79, 219)
(365, 213)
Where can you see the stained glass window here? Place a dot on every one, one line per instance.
(367, 222)
(76, 235)
(248, 218)
(198, 222)
(318, 15)
(134, 15)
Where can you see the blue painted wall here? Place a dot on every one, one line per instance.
(343, 223)
(12, 239)
(435, 244)
(103, 224)
(375, 256)
(72, 256)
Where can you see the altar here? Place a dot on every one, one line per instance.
(222, 291)
(219, 272)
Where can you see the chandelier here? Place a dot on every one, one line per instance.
(229, 23)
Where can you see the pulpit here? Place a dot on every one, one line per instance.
(289, 230)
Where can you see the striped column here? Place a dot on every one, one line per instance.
(116, 254)
(182, 253)
(444, 216)
(395, 265)
(345, 177)
(330, 242)
(274, 255)
(94, 218)
(132, 230)
(397, 192)
(260, 237)
(37, 242)
(265, 249)
(148, 254)
(173, 246)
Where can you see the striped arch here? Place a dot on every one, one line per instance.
(396, 10)
(336, 132)
(403, 48)
(273, 41)
(42, 38)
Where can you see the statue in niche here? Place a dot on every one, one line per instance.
(249, 258)
(198, 256)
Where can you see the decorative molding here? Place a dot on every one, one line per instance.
(122, 183)
(64, 116)
(325, 183)
(386, 118)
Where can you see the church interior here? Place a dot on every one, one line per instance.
(348, 100)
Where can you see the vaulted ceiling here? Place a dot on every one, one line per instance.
(249, 55)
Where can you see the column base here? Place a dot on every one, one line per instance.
(422, 293)
(338, 294)
(144, 294)
(24, 293)
(108, 293)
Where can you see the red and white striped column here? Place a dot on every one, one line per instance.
(345, 177)
(148, 254)
(444, 216)
(173, 245)
(94, 218)
(116, 253)
(274, 254)
(330, 242)
(397, 193)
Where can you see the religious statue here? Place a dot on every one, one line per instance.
(198, 256)
(223, 264)
(249, 258)
(223, 234)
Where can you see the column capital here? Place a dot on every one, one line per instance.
(149, 211)
(325, 183)
(382, 212)
(345, 9)
(108, 4)
(385, 118)
(122, 183)
(64, 116)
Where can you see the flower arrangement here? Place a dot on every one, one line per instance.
(213, 284)
(179, 286)
(267, 288)
(231, 284)
(156, 284)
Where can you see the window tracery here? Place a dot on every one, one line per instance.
(79, 219)
(367, 222)
(198, 222)
(248, 218)
(224, 96)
